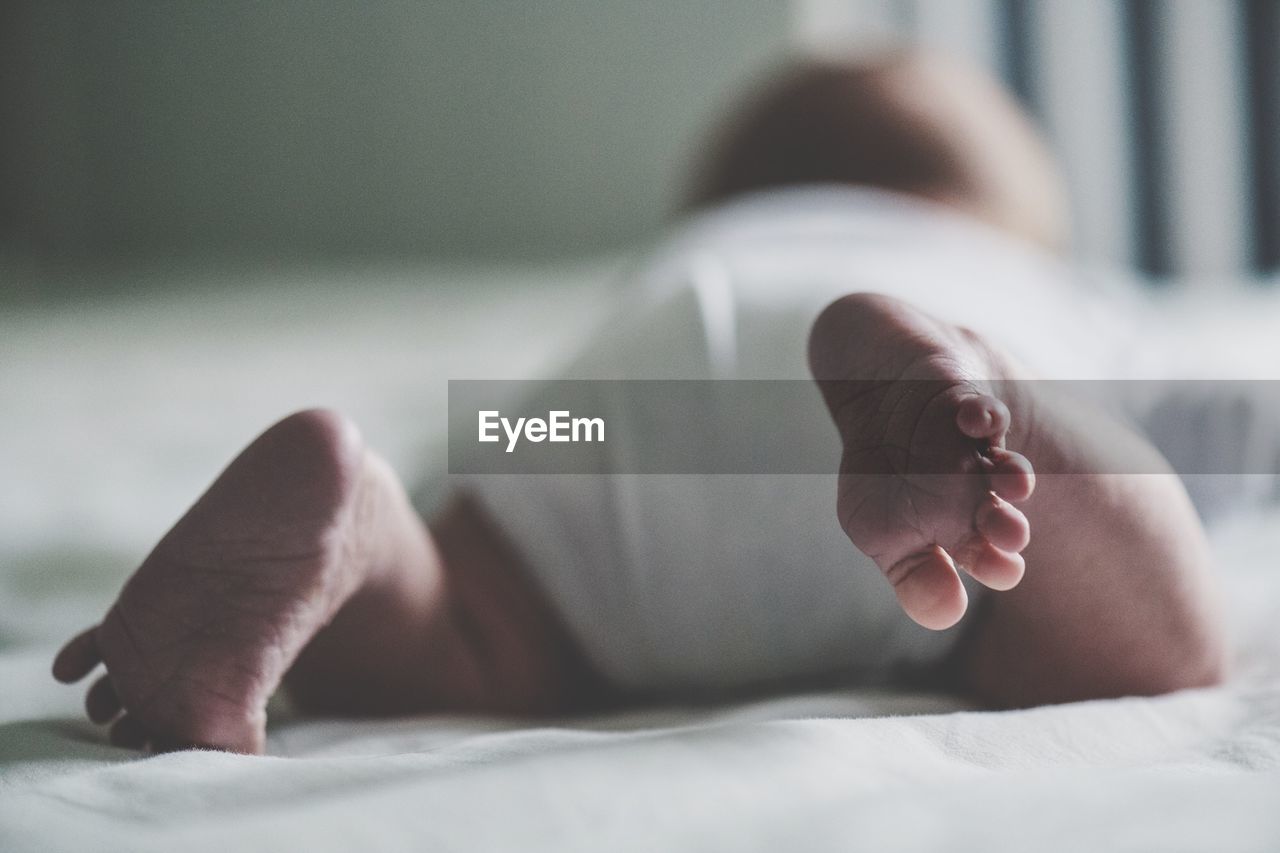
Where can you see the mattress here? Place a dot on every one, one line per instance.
(117, 412)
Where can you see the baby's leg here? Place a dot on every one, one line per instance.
(305, 562)
(1116, 598)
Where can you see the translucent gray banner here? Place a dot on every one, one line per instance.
(592, 427)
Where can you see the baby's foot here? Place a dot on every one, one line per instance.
(926, 481)
(203, 632)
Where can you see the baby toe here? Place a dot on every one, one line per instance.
(983, 416)
(995, 568)
(1002, 524)
(78, 657)
(1010, 474)
(929, 589)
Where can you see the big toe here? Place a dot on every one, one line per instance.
(929, 589)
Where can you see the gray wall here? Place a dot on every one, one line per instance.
(318, 128)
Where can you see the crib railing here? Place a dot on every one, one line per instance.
(1163, 112)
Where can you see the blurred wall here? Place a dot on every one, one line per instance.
(318, 128)
(1165, 114)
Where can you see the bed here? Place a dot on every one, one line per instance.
(116, 414)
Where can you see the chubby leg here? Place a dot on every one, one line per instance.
(304, 562)
(937, 476)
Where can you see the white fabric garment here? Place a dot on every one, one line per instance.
(687, 582)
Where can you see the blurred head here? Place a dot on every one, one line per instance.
(915, 123)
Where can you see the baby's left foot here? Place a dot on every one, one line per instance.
(204, 631)
(305, 562)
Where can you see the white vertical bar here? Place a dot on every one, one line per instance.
(841, 27)
(1077, 77)
(964, 28)
(1203, 129)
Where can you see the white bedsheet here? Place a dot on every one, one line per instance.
(115, 416)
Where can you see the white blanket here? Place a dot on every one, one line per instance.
(115, 416)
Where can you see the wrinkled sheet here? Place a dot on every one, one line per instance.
(117, 413)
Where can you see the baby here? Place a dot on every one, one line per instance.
(306, 564)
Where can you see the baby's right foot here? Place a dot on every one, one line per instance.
(926, 481)
(1118, 599)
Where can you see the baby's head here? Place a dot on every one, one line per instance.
(912, 122)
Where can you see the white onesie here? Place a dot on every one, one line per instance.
(689, 582)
